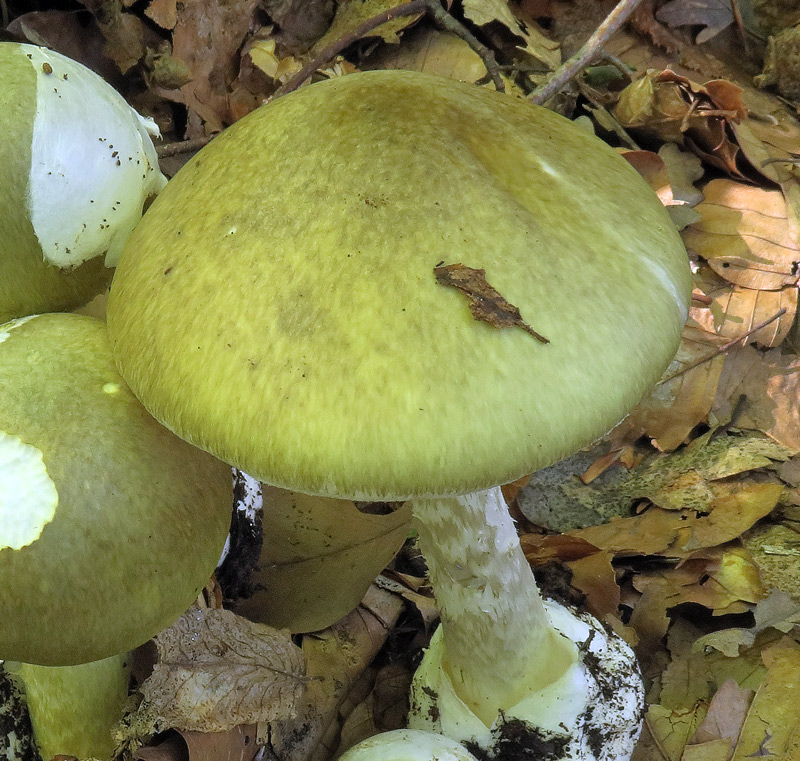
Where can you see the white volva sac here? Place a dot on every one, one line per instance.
(592, 712)
(28, 496)
(93, 163)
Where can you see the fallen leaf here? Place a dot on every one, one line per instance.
(486, 304)
(772, 724)
(682, 399)
(671, 728)
(443, 54)
(734, 311)
(318, 558)
(745, 236)
(770, 385)
(535, 46)
(713, 15)
(673, 108)
(350, 14)
(217, 670)
(777, 611)
(726, 714)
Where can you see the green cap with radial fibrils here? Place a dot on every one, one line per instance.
(278, 304)
(109, 525)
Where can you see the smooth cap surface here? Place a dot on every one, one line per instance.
(278, 305)
(109, 525)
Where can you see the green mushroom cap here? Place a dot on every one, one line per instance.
(76, 165)
(109, 525)
(278, 304)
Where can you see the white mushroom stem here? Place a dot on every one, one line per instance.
(74, 709)
(504, 668)
(497, 638)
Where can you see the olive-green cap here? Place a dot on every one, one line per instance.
(278, 304)
(76, 165)
(109, 525)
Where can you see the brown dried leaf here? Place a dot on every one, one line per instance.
(672, 409)
(770, 385)
(217, 670)
(735, 507)
(485, 303)
(734, 311)
(207, 37)
(649, 533)
(163, 12)
(595, 577)
(535, 44)
(238, 744)
(777, 611)
(673, 108)
(745, 236)
(432, 51)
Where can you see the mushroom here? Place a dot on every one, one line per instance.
(110, 526)
(76, 166)
(408, 745)
(295, 319)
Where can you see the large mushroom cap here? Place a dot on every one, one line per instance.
(109, 524)
(278, 304)
(76, 165)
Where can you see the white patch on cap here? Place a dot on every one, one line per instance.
(662, 276)
(28, 496)
(6, 328)
(93, 163)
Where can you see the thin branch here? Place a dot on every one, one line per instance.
(406, 9)
(723, 348)
(183, 146)
(587, 54)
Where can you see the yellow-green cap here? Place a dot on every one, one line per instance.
(109, 524)
(278, 305)
(76, 164)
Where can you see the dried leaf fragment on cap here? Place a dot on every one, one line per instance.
(485, 303)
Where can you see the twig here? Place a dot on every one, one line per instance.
(737, 17)
(591, 49)
(722, 349)
(4, 18)
(182, 146)
(406, 9)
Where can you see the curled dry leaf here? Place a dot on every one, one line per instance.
(745, 236)
(217, 670)
(669, 107)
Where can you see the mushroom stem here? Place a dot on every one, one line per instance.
(498, 641)
(73, 709)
